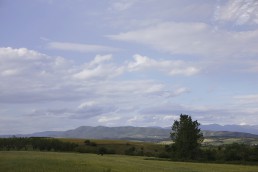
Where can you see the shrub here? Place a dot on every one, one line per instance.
(130, 151)
(102, 151)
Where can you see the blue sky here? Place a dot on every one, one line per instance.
(67, 63)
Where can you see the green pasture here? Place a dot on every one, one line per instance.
(29, 161)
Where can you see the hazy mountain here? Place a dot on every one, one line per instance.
(252, 129)
(228, 134)
(133, 133)
(128, 132)
(139, 133)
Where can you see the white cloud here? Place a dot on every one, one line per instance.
(124, 5)
(181, 90)
(138, 89)
(134, 119)
(83, 48)
(165, 113)
(8, 53)
(99, 72)
(248, 99)
(102, 67)
(48, 84)
(121, 5)
(85, 110)
(238, 11)
(92, 109)
(171, 67)
(195, 39)
(170, 117)
(98, 69)
(22, 61)
(45, 78)
(139, 13)
(100, 59)
(29, 76)
(108, 119)
(87, 104)
(9, 72)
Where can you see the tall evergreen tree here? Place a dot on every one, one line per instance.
(187, 137)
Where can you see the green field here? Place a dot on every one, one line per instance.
(73, 162)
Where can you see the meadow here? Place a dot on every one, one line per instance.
(31, 161)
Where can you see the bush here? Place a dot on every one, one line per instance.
(130, 151)
(84, 149)
(163, 155)
(90, 143)
(149, 154)
(87, 142)
(102, 151)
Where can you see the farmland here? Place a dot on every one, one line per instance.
(30, 161)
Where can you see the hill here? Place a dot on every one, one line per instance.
(252, 129)
(130, 133)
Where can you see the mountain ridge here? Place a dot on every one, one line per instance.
(137, 133)
(252, 129)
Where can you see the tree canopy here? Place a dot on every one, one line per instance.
(187, 137)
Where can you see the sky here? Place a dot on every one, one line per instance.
(71, 63)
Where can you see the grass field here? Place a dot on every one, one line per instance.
(74, 162)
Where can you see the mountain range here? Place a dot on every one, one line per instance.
(252, 129)
(146, 133)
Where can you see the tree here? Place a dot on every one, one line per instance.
(102, 151)
(187, 137)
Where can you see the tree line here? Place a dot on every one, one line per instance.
(41, 144)
(235, 152)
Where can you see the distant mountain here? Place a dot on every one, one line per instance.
(38, 134)
(252, 129)
(128, 132)
(46, 134)
(228, 134)
(133, 133)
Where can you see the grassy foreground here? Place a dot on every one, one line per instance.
(74, 162)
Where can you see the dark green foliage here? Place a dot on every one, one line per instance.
(164, 155)
(121, 147)
(89, 143)
(149, 154)
(209, 155)
(84, 149)
(42, 144)
(236, 152)
(130, 151)
(254, 153)
(187, 138)
(102, 151)
(93, 144)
